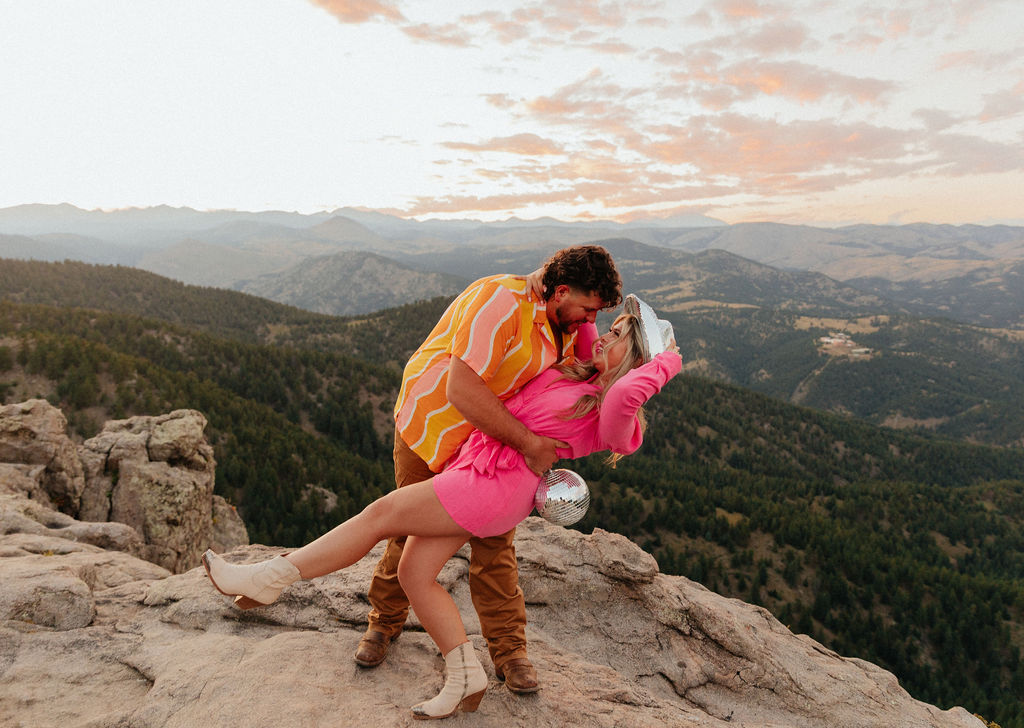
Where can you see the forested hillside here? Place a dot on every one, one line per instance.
(901, 549)
(293, 430)
(952, 379)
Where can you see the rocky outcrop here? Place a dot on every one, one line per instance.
(143, 485)
(616, 643)
(92, 635)
(34, 434)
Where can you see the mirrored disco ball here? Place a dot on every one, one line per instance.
(562, 497)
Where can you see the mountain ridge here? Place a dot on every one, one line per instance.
(929, 268)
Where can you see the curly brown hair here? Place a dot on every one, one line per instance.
(587, 268)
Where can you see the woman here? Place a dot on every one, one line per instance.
(485, 489)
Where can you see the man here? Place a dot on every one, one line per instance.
(489, 343)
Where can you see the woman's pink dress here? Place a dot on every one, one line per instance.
(487, 487)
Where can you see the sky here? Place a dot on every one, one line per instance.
(820, 112)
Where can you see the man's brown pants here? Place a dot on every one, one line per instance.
(493, 579)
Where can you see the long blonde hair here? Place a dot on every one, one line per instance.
(581, 371)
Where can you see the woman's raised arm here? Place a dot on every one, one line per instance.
(619, 428)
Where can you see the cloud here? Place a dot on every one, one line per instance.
(360, 11)
(566, 16)
(587, 97)
(500, 101)
(505, 29)
(741, 9)
(426, 205)
(936, 120)
(450, 34)
(611, 47)
(976, 60)
(745, 109)
(783, 37)
(1003, 104)
(746, 148)
(960, 154)
(554, 22)
(597, 195)
(858, 39)
(794, 80)
(527, 144)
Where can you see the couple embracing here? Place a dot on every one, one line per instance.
(512, 378)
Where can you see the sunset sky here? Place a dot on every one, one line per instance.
(820, 112)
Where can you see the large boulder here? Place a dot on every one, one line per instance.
(34, 433)
(143, 485)
(156, 474)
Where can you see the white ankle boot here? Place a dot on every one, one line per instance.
(463, 687)
(252, 585)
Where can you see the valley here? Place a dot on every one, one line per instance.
(875, 502)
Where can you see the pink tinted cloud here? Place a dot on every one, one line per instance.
(789, 79)
(492, 203)
(740, 9)
(553, 22)
(526, 144)
(858, 39)
(598, 194)
(1003, 105)
(611, 47)
(593, 102)
(360, 11)
(961, 154)
(500, 101)
(897, 22)
(936, 120)
(569, 15)
(735, 146)
(783, 37)
(976, 60)
(450, 34)
(503, 28)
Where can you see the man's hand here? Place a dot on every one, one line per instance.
(540, 453)
(481, 408)
(468, 393)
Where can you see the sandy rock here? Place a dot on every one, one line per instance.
(93, 636)
(99, 484)
(615, 643)
(21, 515)
(228, 528)
(171, 507)
(34, 433)
(45, 591)
(178, 438)
(25, 480)
(156, 475)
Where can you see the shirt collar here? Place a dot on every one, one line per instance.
(540, 318)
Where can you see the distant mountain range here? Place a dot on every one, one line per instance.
(969, 273)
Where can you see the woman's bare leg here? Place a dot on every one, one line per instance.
(422, 560)
(465, 679)
(410, 511)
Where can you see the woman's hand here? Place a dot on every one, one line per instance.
(535, 285)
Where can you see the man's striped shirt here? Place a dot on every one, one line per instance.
(502, 336)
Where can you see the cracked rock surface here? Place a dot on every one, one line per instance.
(93, 636)
(615, 643)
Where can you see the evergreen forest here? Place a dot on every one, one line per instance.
(903, 548)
